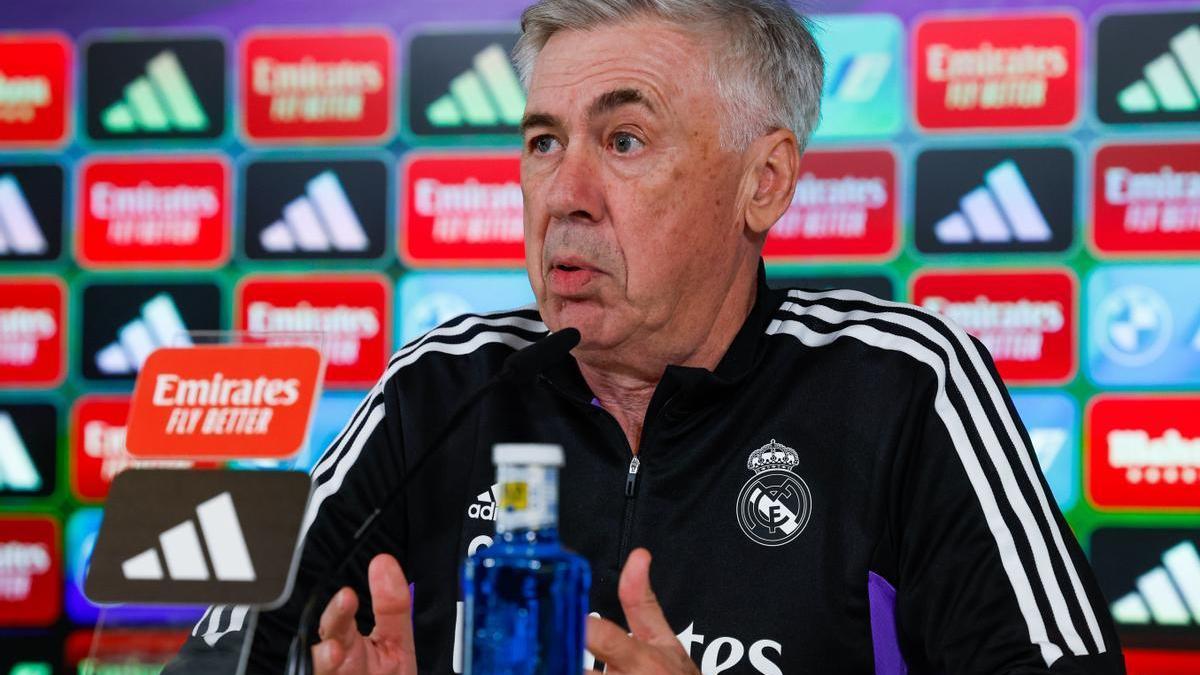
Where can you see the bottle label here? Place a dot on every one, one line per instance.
(528, 497)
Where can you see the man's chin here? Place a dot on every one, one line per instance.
(587, 316)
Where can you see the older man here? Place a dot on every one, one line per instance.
(829, 483)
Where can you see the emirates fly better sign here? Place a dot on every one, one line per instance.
(317, 85)
(1025, 319)
(1146, 198)
(1005, 71)
(463, 209)
(844, 207)
(224, 401)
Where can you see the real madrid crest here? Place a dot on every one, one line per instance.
(774, 505)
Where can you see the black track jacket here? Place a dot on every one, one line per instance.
(849, 491)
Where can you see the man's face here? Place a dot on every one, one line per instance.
(632, 224)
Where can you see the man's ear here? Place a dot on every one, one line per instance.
(773, 171)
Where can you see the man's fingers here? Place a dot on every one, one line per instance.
(612, 645)
(391, 601)
(642, 611)
(328, 656)
(337, 621)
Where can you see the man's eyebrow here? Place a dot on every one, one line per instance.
(538, 120)
(611, 100)
(606, 102)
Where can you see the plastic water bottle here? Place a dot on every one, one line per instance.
(526, 597)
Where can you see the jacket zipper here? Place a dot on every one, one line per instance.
(631, 477)
(635, 465)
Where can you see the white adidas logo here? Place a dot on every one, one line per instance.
(19, 231)
(17, 471)
(484, 507)
(183, 551)
(1168, 595)
(159, 101)
(1170, 80)
(860, 76)
(321, 220)
(159, 326)
(485, 95)
(1001, 210)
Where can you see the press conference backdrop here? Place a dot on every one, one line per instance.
(1031, 172)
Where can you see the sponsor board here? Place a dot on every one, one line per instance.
(878, 285)
(31, 212)
(223, 401)
(98, 453)
(1144, 325)
(28, 449)
(122, 323)
(1146, 199)
(844, 207)
(462, 209)
(350, 313)
(310, 209)
(35, 88)
(161, 87)
(1052, 420)
(317, 85)
(1026, 320)
(462, 87)
(863, 91)
(33, 326)
(30, 558)
(221, 537)
(1003, 71)
(81, 531)
(429, 299)
(1143, 452)
(153, 212)
(1150, 577)
(994, 200)
(1148, 68)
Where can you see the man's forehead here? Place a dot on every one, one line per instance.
(643, 61)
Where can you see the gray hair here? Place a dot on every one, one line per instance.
(768, 74)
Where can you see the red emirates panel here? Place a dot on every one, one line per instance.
(154, 212)
(317, 85)
(32, 331)
(35, 86)
(1025, 319)
(1008, 71)
(1161, 662)
(1146, 199)
(350, 314)
(30, 576)
(98, 451)
(1143, 452)
(844, 208)
(462, 209)
(111, 646)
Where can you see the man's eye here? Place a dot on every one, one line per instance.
(543, 144)
(624, 142)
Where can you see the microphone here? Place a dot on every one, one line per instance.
(520, 368)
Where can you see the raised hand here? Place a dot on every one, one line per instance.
(652, 648)
(389, 649)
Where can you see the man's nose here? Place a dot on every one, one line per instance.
(575, 190)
